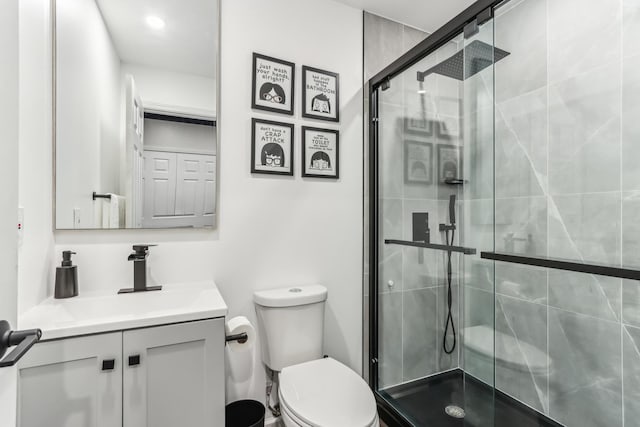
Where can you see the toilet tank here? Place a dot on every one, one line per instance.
(291, 324)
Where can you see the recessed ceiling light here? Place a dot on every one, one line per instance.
(155, 22)
(422, 91)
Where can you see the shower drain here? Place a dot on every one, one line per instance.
(454, 411)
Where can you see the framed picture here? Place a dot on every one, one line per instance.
(273, 84)
(449, 163)
(320, 94)
(271, 147)
(420, 126)
(448, 126)
(418, 161)
(320, 153)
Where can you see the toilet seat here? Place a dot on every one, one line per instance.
(290, 419)
(326, 393)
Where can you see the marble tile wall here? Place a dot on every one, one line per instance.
(567, 144)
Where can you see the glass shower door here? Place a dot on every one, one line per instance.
(434, 186)
(530, 145)
(478, 352)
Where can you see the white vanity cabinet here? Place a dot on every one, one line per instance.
(174, 375)
(159, 376)
(62, 383)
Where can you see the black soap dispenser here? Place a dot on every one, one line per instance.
(66, 278)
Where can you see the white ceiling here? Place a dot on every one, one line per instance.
(188, 42)
(426, 15)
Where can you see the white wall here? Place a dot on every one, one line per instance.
(292, 230)
(88, 111)
(35, 183)
(187, 92)
(272, 231)
(9, 199)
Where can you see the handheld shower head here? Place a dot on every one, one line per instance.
(452, 209)
(452, 217)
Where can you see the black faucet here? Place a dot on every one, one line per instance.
(139, 258)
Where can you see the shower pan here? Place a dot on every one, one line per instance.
(505, 309)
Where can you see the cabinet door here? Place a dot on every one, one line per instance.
(174, 375)
(63, 383)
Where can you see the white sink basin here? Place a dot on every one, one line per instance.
(104, 311)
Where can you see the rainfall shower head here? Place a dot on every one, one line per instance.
(475, 57)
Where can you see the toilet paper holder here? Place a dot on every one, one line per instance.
(241, 338)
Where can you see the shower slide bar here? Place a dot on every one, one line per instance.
(446, 248)
(566, 265)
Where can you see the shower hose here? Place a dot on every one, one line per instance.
(449, 350)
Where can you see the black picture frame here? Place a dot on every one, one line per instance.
(425, 128)
(311, 93)
(263, 168)
(324, 155)
(448, 127)
(271, 77)
(449, 163)
(418, 155)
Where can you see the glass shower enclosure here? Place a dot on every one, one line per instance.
(502, 205)
(432, 119)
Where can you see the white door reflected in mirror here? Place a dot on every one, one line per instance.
(135, 125)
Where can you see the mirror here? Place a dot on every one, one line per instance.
(135, 113)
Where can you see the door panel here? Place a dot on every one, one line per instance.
(210, 186)
(132, 183)
(175, 366)
(138, 193)
(160, 187)
(196, 186)
(179, 189)
(190, 185)
(63, 384)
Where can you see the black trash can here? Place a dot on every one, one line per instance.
(244, 413)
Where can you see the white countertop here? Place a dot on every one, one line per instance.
(105, 311)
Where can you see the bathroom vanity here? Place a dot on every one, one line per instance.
(146, 359)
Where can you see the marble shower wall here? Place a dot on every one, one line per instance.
(568, 186)
(413, 296)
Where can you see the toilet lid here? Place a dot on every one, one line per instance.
(325, 392)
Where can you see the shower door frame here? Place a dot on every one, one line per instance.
(481, 11)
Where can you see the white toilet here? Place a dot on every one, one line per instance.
(314, 391)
